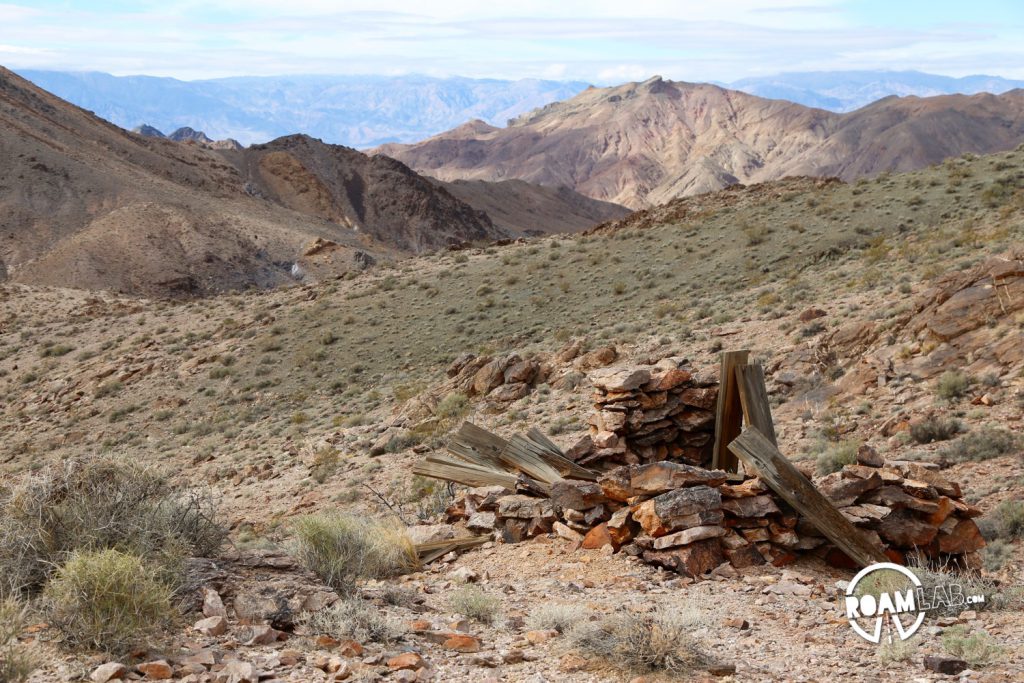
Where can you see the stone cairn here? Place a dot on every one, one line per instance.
(644, 415)
(652, 431)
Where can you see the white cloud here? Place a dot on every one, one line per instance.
(597, 40)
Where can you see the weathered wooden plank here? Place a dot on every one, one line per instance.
(763, 458)
(428, 552)
(757, 411)
(729, 412)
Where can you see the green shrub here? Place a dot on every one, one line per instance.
(984, 444)
(1007, 520)
(107, 600)
(474, 603)
(352, 618)
(108, 389)
(996, 554)
(659, 641)
(978, 649)
(835, 457)
(16, 661)
(952, 384)
(56, 350)
(453, 406)
(342, 548)
(934, 429)
(325, 464)
(101, 502)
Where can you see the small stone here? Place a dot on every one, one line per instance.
(405, 676)
(408, 661)
(107, 672)
(158, 670)
(572, 663)
(263, 635)
(463, 575)
(212, 626)
(213, 606)
(350, 648)
(462, 642)
(944, 665)
(237, 671)
(542, 636)
(869, 457)
(722, 669)
(737, 623)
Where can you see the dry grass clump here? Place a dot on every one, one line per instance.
(108, 600)
(978, 649)
(475, 603)
(342, 548)
(952, 384)
(352, 618)
(558, 617)
(836, 456)
(983, 444)
(935, 429)
(93, 503)
(658, 641)
(16, 661)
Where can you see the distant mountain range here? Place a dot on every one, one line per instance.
(843, 91)
(358, 111)
(365, 111)
(639, 144)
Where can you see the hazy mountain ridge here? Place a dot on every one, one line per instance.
(357, 111)
(844, 91)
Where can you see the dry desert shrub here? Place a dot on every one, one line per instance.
(107, 600)
(475, 603)
(557, 617)
(93, 503)
(978, 649)
(352, 618)
(661, 640)
(342, 548)
(16, 661)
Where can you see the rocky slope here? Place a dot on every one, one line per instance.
(86, 204)
(640, 144)
(523, 208)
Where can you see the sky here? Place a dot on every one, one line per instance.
(598, 41)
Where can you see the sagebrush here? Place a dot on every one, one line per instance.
(342, 548)
(352, 617)
(16, 661)
(108, 600)
(94, 503)
(656, 641)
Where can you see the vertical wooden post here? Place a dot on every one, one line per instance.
(757, 411)
(729, 413)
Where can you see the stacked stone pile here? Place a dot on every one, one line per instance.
(648, 414)
(682, 516)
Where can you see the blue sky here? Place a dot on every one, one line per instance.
(597, 40)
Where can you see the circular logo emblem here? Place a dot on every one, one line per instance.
(883, 602)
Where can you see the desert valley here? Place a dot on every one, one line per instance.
(461, 408)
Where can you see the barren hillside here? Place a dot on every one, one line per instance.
(641, 144)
